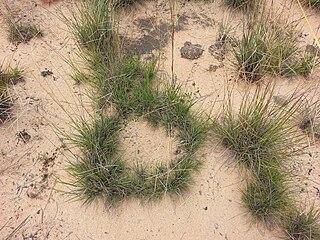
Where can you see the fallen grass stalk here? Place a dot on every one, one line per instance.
(22, 224)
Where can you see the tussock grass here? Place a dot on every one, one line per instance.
(22, 32)
(239, 3)
(8, 76)
(98, 172)
(19, 31)
(14, 75)
(5, 101)
(268, 197)
(303, 225)
(92, 25)
(271, 45)
(312, 2)
(260, 133)
(128, 85)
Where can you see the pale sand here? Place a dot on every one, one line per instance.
(30, 187)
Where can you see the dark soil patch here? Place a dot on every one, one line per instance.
(154, 35)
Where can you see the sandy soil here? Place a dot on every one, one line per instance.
(32, 171)
(142, 143)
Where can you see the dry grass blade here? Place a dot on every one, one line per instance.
(11, 235)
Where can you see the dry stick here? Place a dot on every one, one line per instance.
(24, 222)
(47, 202)
(172, 9)
(309, 24)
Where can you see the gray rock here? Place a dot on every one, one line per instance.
(213, 68)
(313, 50)
(281, 100)
(191, 51)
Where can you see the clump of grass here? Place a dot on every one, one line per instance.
(5, 101)
(260, 133)
(23, 32)
(239, 3)
(312, 2)
(99, 173)
(303, 225)
(8, 76)
(250, 54)
(124, 3)
(128, 85)
(14, 75)
(92, 25)
(268, 196)
(271, 46)
(19, 32)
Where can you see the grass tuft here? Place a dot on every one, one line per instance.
(312, 2)
(23, 32)
(7, 76)
(302, 225)
(239, 3)
(5, 101)
(260, 133)
(92, 25)
(268, 196)
(99, 173)
(14, 75)
(271, 46)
